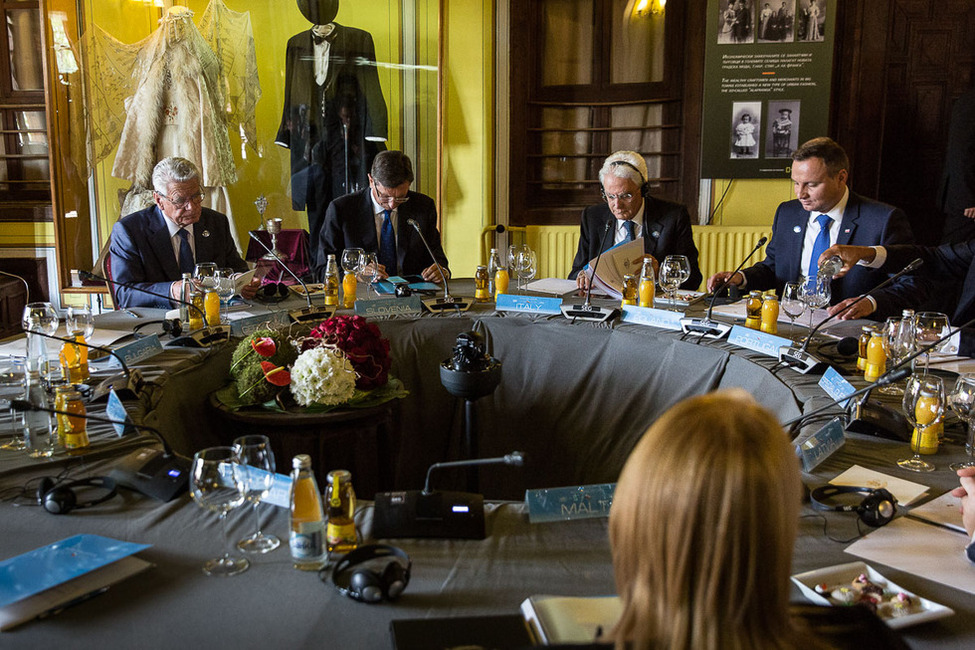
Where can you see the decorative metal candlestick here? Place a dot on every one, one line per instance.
(261, 204)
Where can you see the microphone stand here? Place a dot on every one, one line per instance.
(438, 305)
(706, 327)
(309, 313)
(133, 379)
(205, 336)
(158, 474)
(587, 311)
(798, 359)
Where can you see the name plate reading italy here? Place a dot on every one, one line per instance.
(138, 350)
(115, 410)
(761, 342)
(835, 385)
(661, 318)
(246, 326)
(565, 503)
(388, 306)
(529, 304)
(814, 448)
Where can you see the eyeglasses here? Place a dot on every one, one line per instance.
(625, 196)
(385, 198)
(180, 203)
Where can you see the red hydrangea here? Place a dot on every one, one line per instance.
(362, 343)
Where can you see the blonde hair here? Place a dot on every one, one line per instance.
(702, 528)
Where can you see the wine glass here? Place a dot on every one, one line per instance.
(924, 404)
(674, 271)
(792, 303)
(929, 326)
(80, 322)
(206, 273)
(225, 290)
(369, 269)
(816, 293)
(962, 401)
(526, 267)
(256, 461)
(352, 260)
(516, 257)
(215, 485)
(898, 344)
(38, 317)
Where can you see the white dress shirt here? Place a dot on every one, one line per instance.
(176, 239)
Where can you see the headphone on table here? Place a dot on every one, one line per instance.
(172, 326)
(877, 508)
(60, 498)
(368, 585)
(644, 183)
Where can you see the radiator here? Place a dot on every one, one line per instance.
(721, 248)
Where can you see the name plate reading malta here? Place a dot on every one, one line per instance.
(388, 306)
(814, 448)
(138, 350)
(761, 342)
(662, 318)
(835, 385)
(529, 304)
(246, 326)
(564, 503)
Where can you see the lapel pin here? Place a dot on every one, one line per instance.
(796, 229)
(206, 233)
(847, 230)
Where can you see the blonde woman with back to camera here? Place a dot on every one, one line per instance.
(702, 530)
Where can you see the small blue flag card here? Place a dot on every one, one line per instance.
(835, 385)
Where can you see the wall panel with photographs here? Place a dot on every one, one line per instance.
(768, 68)
(283, 99)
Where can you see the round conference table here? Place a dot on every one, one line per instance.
(575, 397)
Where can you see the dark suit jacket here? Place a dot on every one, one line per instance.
(865, 223)
(142, 253)
(666, 231)
(350, 223)
(949, 282)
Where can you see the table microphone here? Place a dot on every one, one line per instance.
(205, 336)
(447, 302)
(706, 327)
(587, 311)
(133, 379)
(798, 359)
(309, 313)
(432, 513)
(158, 474)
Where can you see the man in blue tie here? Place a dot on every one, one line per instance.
(153, 247)
(825, 212)
(377, 219)
(663, 226)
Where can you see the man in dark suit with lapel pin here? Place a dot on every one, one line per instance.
(825, 213)
(152, 248)
(377, 219)
(665, 227)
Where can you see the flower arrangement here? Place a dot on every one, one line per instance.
(343, 361)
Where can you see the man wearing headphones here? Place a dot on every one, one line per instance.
(664, 227)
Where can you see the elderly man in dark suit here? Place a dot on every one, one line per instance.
(664, 227)
(825, 213)
(152, 248)
(377, 219)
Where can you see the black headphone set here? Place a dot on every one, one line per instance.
(272, 292)
(644, 185)
(60, 498)
(877, 508)
(373, 585)
(173, 326)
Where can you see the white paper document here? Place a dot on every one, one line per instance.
(931, 552)
(552, 286)
(906, 492)
(945, 511)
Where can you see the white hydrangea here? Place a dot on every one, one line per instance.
(322, 376)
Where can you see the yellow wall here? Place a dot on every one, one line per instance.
(749, 202)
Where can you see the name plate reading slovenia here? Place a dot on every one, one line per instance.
(388, 306)
(138, 350)
(835, 385)
(814, 448)
(662, 318)
(115, 410)
(246, 326)
(529, 304)
(565, 503)
(761, 342)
